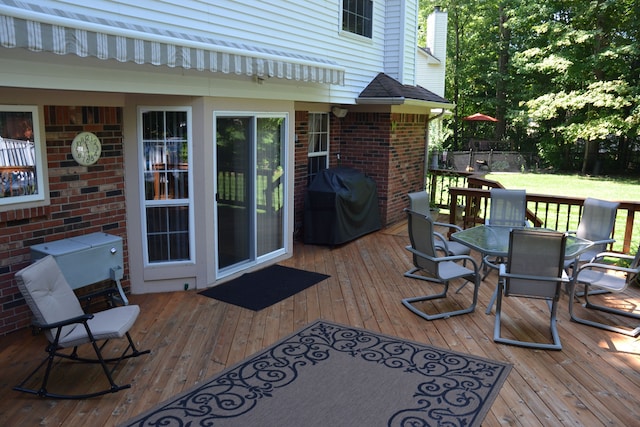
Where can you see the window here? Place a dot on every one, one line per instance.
(21, 164)
(318, 152)
(357, 16)
(166, 176)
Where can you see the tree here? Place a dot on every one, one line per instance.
(563, 76)
(473, 80)
(576, 67)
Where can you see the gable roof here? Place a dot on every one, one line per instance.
(426, 52)
(384, 89)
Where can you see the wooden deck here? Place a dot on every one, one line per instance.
(594, 380)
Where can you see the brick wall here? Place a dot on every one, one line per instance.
(83, 200)
(300, 170)
(406, 162)
(387, 147)
(364, 146)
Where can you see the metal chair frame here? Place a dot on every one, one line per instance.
(62, 332)
(601, 276)
(440, 269)
(516, 281)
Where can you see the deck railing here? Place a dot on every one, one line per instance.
(468, 206)
(269, 191)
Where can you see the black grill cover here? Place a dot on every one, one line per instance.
(341, 204)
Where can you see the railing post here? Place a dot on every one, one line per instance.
(628, 232)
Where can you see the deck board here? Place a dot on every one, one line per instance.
(594, 380)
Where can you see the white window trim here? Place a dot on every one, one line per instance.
(326, 153)
(356, 36)
(42, 197)
(146, 203)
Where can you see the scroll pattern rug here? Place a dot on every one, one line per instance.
(332, 375)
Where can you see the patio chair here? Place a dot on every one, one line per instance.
(438, 268)
(596, 224)
(57, 311)
(610, 277)
(508, 208)
(419, 202)
(534, 269)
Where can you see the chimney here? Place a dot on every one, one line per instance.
(437, 34)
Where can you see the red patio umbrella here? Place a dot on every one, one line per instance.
(479, 117)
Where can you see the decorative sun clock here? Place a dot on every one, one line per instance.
(86, 148)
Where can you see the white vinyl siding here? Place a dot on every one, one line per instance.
(430, 73)
(393, 39)
(431, 68)
(309, 28)
(410, 34)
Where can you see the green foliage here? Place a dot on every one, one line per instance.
(563, 76)
(439, 134)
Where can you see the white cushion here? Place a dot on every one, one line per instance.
(51, 300)
(48, 294)
(112, 323)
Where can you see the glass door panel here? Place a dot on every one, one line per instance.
(234, 189)
(270, 184)
(250, 188)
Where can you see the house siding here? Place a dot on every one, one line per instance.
(410, 41)
(310, 28)
(88, 94)
(430, 70)
(394, 38)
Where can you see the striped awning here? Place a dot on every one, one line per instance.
(41, 29)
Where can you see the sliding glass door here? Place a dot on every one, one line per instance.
(250, 188)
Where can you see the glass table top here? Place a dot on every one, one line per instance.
(494, 240)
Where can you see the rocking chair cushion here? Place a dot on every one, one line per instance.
(112, 323)
(48, 295)
(52, 300)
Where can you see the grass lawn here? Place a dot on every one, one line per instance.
(606, 188)
(616, 189)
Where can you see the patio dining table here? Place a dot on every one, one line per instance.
(492, 240)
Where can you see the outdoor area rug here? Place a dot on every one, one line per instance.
(332, 375)
(263, 288)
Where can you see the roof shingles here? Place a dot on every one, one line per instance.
(384, 86)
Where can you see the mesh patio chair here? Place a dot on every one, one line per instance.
(57, 311)
(534, 269)
(609, 277)
(437, 268)
(508, 208)
(419, 202)
(596, 224)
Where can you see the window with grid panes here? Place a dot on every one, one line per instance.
(357, 17)
(318, 150)
(167, 217)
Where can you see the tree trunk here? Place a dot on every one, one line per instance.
(501, 84)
